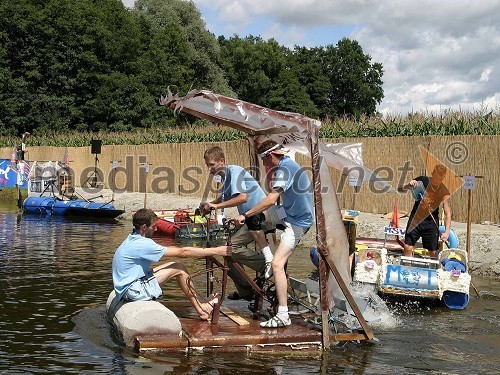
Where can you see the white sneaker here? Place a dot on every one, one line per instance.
(268, 271)
(276, 322)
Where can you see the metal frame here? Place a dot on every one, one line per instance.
(245, 117)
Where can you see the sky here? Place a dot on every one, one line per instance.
(437, 55)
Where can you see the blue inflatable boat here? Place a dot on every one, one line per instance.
(56, 206)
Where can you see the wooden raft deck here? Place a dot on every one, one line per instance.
(229, 336)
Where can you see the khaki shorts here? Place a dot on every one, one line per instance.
(292, 234)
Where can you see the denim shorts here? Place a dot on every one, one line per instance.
(144, 289)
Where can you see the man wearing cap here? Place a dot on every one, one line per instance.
(424, 217)
(292, 186)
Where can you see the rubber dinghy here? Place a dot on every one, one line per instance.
(74, 207)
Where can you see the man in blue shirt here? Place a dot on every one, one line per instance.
(134, 280)
(292, 185)
(241, 190)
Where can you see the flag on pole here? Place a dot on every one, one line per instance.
(25, 170)
(65, 159)
(394, 223)
(13, 159)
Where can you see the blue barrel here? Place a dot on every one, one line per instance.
(406, 277)
(455, 300)
(453, 239)
(39, 205)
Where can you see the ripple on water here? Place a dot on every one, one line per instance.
(55, 278)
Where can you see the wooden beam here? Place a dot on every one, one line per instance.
(233, 316)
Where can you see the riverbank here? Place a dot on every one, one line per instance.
(485, 239)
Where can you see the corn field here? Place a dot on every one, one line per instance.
(449, 123)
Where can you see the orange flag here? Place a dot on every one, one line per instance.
(428, 204)
(65, 159)
(395, 216)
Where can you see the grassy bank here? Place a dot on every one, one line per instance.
(9, 194)
(418, 124)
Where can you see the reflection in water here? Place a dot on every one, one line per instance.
(55, 277)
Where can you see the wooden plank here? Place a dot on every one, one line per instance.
(233, 316)
(161, 341)
(348, 337)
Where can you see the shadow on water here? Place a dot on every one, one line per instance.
(55, 278)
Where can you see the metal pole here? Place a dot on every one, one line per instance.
(320, 235)
(113, 186)
(469, 220)
(146, 169)
(354, 193)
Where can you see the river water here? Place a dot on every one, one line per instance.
(55, 279)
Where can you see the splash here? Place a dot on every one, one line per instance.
(377, 312)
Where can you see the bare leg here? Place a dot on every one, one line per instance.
(167, 271)
(271, 240)
(408, 250)
(281, 256)
(260, 238)
(432, 254)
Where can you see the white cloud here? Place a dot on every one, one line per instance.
(128, 3)
(436, 54)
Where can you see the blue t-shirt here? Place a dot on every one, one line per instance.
(236, 181)
(296, 195)
(132, 260)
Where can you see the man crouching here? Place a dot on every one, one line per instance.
(133, 278)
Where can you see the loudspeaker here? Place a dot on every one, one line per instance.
(95, 146)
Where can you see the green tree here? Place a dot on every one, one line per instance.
(262, 72)
(341, 80)
(59, 54)
(310, 72)
(356, 83)
(191, 51)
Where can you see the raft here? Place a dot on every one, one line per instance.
(413, 277)
(150, 325)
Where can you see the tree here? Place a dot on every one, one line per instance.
(262, 72)
(199, 51)
(356, 84)
(92, 64)
(59, 54)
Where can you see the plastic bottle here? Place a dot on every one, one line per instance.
(418, 191)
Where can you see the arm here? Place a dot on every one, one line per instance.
(404, 188)
(196, 252)
(263, 205)
(233, 202)
(205, 206)
(447, 218)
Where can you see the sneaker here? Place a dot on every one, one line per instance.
(276, 322)
(268, 271)
(236, 296)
